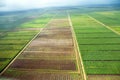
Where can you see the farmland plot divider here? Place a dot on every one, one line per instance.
(77, 50)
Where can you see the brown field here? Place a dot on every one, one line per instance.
(52, 42)
(103, 77)
(45, 48)
(56, 22)
(56, 33)
(28, 29)
(41, 76)
(44, 64)
(53, 36)
(43, 54)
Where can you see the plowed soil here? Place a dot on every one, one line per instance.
(103, 77)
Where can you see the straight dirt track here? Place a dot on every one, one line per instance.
(50, 56)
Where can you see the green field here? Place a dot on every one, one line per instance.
(99, 46)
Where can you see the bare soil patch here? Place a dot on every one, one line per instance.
(44, 64)
(103, 77)
(42, 76)
(47, 48)
(47, 54)
(59, 23)
(52, 42)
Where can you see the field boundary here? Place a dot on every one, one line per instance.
(25, 47)
(77, 50)
(103, 24)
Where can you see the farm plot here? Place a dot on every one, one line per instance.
(15, 40)
(50, 56)
(99, 48)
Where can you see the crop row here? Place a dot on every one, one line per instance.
(101, 55)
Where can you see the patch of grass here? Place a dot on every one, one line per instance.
(38, 23)
(101, 55)
(8, 53)
(13, 42)
(3, 64)
(102, 67)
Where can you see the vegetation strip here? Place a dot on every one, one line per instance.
(102, 60)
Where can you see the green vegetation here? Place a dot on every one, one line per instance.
(99, 46)
(102, 67)
(38, 23)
